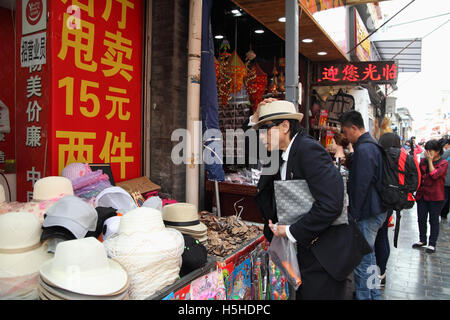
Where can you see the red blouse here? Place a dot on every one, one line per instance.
(432, 184)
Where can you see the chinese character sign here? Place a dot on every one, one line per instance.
(379, 72)
(97, 80)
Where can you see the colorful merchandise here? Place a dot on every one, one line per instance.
(224, 87)
(238, 73)
(239, 282)
(278, 284)
(207, 287)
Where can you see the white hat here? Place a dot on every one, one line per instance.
(117, 198)
(21, 251)
(2, 194)
(153, 202)
(184, 216)
(141, 219)
(74, 214)
(51, 187)
(81, 266)
(277, 110)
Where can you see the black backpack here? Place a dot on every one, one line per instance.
(400, 180)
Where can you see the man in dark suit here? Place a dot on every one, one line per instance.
(326, 254)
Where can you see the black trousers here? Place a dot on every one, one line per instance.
(317, 284)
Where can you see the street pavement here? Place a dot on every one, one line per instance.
(413, 274)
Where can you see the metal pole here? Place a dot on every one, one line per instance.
(291, 45)
(216, 190)
(193, 101)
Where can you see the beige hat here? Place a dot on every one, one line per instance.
(51, 187)
(21, 251)
(183, 215)
(2, 194)
(277, 110)
(81, 266)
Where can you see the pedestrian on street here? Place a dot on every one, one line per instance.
(430, 195)
(364, 187)
(323, 251)
(445, 207)
(382, 247)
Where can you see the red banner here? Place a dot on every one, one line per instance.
(96, 56)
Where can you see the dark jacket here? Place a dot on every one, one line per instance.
(365, 179)
(329, 244)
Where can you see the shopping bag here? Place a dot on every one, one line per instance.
(284, 255)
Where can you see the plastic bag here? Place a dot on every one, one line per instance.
(283, 254)
(278, 286)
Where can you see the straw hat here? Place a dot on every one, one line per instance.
(277, 110)
(183, 217)
(81, 266)
(21, 251)
(51, 187)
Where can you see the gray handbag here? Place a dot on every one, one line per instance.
(294, 199)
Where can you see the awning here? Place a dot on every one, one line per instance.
(408, 53)
(267, 12)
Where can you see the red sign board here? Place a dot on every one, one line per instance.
(85, 103)
(96, 84)
(378, 72)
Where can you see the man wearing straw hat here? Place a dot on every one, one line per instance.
(321, 248)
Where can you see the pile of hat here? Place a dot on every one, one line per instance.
(150, 252)
(87, 184)
(184, 218)
(46, 192)
(21, 255)
(81, 270)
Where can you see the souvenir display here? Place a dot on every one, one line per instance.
(278, 284)
(224, 79)
(227, 234)
(238, 73)
(207, 287)
(259, 275)
(239, 282)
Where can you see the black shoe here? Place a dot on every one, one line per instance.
(430, 249)
(419, 245)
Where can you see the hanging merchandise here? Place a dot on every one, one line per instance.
(238, 73)
(256, 80)
(21, 255)
(281, 77)
(216, 67)
(208, 287)
(239, 282)
(151, 253)
(273, 86)
(337, 104)
(278, 284)
(259, 275)
(224, 87)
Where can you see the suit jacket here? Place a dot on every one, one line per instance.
(331, 245)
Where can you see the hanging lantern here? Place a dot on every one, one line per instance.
(238, 73)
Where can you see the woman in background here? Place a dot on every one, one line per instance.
(430, 196)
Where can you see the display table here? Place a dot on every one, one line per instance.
(232, 196)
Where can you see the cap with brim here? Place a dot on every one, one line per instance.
(73, 226)
(277, 110)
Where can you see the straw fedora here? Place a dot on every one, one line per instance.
(81, 266)
(277, 110)
(21, 251)
(51, 187)
(184, 216)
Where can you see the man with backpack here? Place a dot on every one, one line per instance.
(366, 207)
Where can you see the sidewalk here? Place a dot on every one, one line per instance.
(413, 274)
